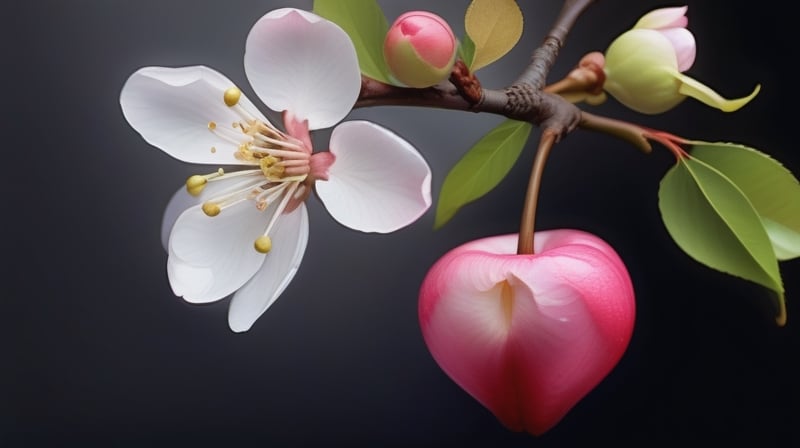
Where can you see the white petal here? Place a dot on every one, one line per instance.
(172, 108)
(187, 280)
(299, 62)
(220, 249)
(182, 200)
(289, 239)
(378, 182)
(179, 202)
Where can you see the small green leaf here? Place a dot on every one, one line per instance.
(495, 26)
(365, 23)
(481, 168)
(714, 223)
(772, 189)
(466, 50)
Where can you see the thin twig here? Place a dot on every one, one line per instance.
(628, 132)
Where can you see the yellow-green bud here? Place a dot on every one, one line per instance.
(644, 66)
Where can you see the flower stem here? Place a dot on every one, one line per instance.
(528, 222)
(622, 130)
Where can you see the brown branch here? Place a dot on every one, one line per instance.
(526, 97)
(543, 58)
(569, 14)
(442, 96)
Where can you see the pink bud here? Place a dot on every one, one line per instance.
(664, 18)
(671, 23)
(528, 336)
(420, 49)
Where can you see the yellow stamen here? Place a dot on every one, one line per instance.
(263, 244)
(245, 154)
(195, 184)
(212, 125)
(232, 96)
(211, 209)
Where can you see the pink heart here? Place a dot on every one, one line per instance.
(528, 336)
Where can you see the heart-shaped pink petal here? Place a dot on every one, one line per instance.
(528, 336)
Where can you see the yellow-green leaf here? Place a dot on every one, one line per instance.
(771, 188)
(710, 218)
(494, 26)
(481, 168)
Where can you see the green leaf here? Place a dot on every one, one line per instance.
(481, 168)
(365, 23)
(714, 223)
(466, 50)
(772, 189)
(495, 26)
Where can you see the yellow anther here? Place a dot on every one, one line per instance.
(275, 171)
(268, 161)
(245, 153)
(195, 184)
(263, 244)
(232, 96)
(212, 125)
(211, 209)
(269, 167)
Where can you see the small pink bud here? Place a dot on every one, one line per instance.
(671, 23)
(528, 336)
(590, 71)
(420, 49)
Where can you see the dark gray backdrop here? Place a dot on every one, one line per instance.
(96, 350)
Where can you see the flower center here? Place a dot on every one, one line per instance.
(281, 164)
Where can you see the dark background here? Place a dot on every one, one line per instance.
(96, 351)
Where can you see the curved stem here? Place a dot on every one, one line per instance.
(671, 142)
(528, 222)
